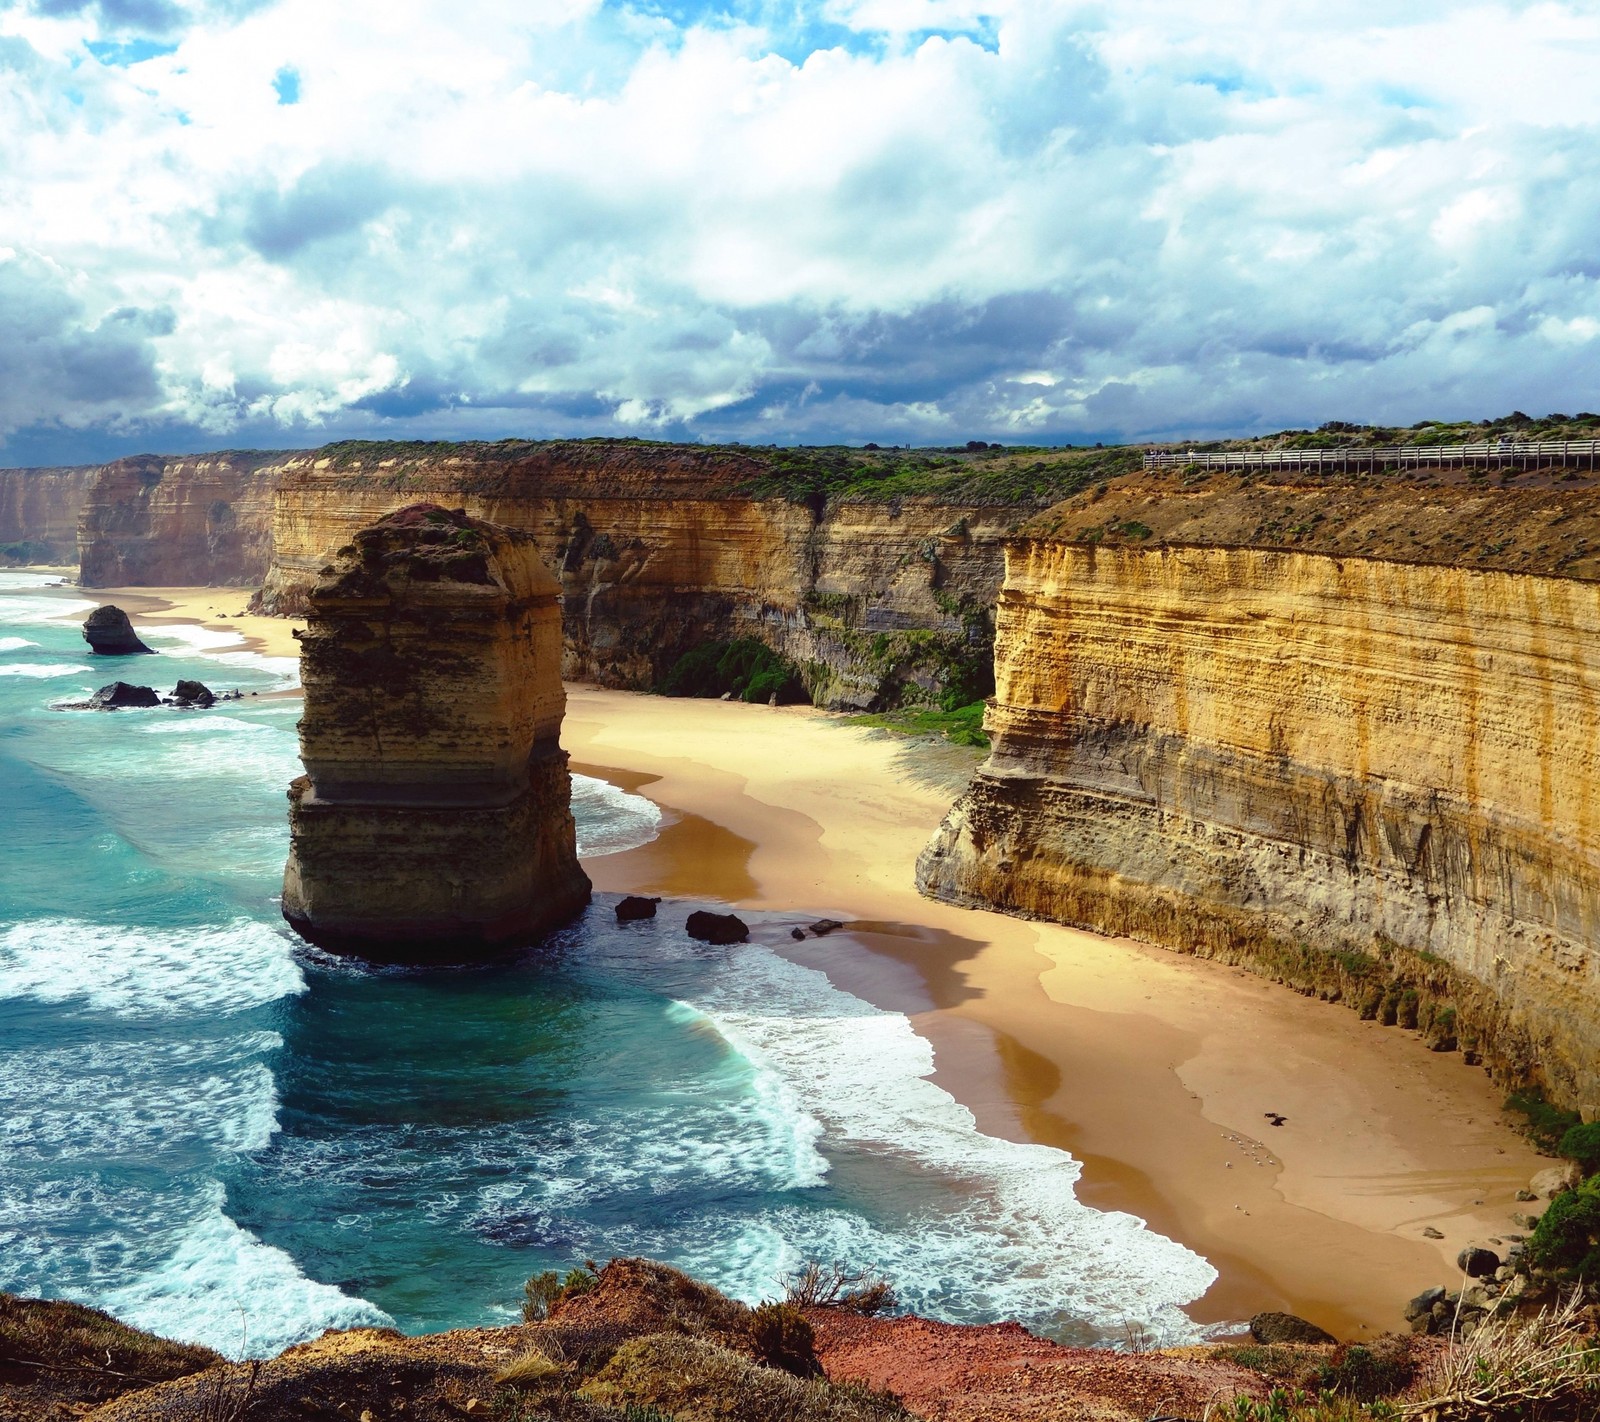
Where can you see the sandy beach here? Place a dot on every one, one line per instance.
(1155, 1070)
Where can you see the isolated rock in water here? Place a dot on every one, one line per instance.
(824, 926)
(434, 821)
(798, 934)
(1287, 1328)
(635, 907)
(1422, 1305)
(121, 695)
(718, 928)
(193, 693)
(1477, 1263)
(1557, 1180)
(109, 633)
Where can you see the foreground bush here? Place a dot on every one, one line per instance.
(695, 1381)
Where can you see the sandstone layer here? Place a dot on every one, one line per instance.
(198, 520)
(434, 819)
(661, 548)
(39, 511)
(1373, 779)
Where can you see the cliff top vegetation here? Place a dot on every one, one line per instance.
(1541, 521)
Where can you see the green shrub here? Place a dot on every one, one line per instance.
(544, 1291)
(780, 1337)
(1547, 1124)
(747, 668)
(1582, 1144)
(1567, 1236)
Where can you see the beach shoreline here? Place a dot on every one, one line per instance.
(1155, 1070)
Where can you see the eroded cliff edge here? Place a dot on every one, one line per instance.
(1363, 760)
(874, 571)
(39, 511)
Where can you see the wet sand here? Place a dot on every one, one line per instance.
(1154, 1069)
(220, 609)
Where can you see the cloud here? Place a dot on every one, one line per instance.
(893, 219)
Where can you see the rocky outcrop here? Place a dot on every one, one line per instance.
(660, 548)
(434, 818)
(39, 511)
(109, 633)
(122, 696)
(1373, 779)
(196, 520)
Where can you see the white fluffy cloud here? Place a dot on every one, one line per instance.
(903, 219)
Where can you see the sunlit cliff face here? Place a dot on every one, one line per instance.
(1281, 758)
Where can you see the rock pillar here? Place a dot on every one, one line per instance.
(434, 819)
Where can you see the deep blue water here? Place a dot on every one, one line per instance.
(220, 1134)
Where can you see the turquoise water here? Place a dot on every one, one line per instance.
(218, 1133)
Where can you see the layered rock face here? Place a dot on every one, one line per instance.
(659, 549)
(434, 819)
(197, 520)
(1375, 780)
(39, 511)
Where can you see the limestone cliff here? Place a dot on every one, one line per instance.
(39, 511)
(661, 547)
(1375, 779)
(434, 818)
(189, 521)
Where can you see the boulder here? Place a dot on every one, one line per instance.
(635, 907)
(109, 633)
(824, 926)
(1287, 1328)
(798, 934)
(121, 695)
(1477, 1263)
(718, 928)
(1422, 1305)
(1557, 1180)
(1429, 1232)
(193, 693)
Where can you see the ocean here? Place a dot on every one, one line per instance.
(223, 1135)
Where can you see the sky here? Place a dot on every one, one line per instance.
(274, 223)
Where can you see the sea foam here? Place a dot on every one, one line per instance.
(148, 972)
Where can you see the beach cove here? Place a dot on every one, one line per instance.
(1154, 1070)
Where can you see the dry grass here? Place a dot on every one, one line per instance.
(1542, 1368)
(541, 1363)
(697, 1381)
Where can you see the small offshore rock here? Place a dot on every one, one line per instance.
(798, 934)
(1287, 1328)
(1557, 1180)
(1429, 1232)
(1422, 1305)
(824, 926)
(193, 693)
(122, 695)
(109, 633)
(718, 928)
(1477, 1263)
(635, 907)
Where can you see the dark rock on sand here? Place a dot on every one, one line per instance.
(1422, 1305)
(109, 633)
(121, 695)
(636, 907)
(1477, 1263)
(193, 693)
(1287, 1328)
(798, 934)
(718, 928)
(824, 926)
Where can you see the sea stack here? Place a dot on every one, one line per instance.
(434, 820)
(109, 633)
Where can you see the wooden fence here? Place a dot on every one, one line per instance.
(1505, 454)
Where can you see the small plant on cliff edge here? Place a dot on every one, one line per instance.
(545, 1290)
(814, 1285)
(1567, 1237)
(781, 1338)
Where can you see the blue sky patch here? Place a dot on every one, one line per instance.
(286, 84)
(119, 54)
